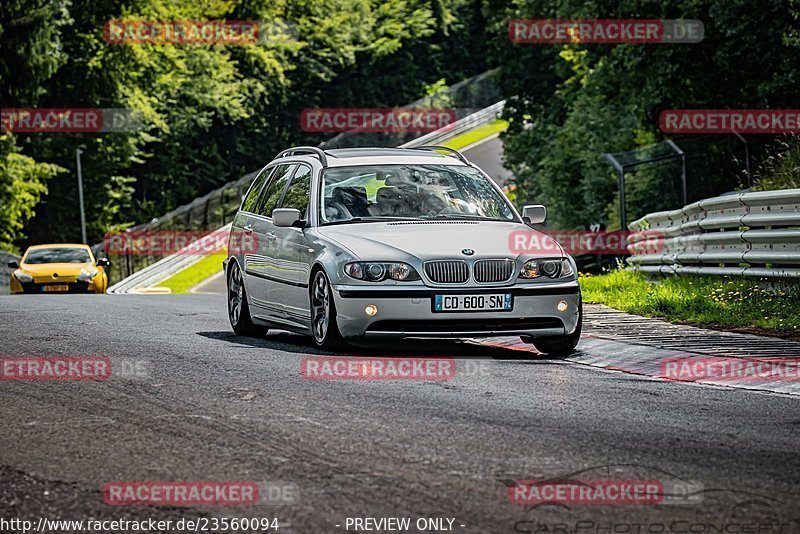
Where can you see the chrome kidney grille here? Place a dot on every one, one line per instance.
(488, 271)
(447, 272)
(457, 271)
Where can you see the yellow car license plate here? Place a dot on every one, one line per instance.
(57, 287)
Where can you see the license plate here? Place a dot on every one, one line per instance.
(499, 302)
(56, 287)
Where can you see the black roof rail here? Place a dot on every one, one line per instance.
(451, 151)
(323, 158)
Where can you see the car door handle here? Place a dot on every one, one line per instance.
(271, 236)
(248, 229)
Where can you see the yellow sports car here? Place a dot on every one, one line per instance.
(61, 268)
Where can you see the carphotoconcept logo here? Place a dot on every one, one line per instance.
(721, 121)
(605, 31)
(343, 368)
(69, 120)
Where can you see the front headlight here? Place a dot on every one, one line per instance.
(380, 271)
(566, 268)
(561, 268)
(23, 277)
(87, 275)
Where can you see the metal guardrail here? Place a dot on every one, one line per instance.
(154, 274)
(470, 122)
(5, 270)
(741, 234)
(207, 213)
(464, 97)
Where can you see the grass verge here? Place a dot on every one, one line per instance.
(473, 136)
(724, 303)
(183, 281)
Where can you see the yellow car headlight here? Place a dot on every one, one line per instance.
(23, 277)
(87, 275)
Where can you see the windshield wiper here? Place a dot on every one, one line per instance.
(372, 218)
(462, 216)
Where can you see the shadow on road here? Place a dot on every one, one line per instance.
(298, 344)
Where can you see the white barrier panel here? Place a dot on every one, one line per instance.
(743, 234)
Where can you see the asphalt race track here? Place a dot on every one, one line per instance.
(207, 405)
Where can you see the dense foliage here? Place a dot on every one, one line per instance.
(211, 112)
(571, 103)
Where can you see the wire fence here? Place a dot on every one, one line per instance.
(673, 173)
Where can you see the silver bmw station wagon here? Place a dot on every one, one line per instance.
(362, 243)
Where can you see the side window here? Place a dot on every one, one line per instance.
(298, 194)
(249, 203)
(272, 192)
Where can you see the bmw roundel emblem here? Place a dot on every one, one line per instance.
(468, 252)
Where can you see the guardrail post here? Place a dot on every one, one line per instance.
(682, 154)
(746, 157)
(623, 217)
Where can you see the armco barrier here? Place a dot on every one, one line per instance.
(156, 273)
(741, 234)
(204, 214)
(479, 118)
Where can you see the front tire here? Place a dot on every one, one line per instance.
(238, 310)
(324, 327)
(561, 345)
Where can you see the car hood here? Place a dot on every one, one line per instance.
(62, 269)
(428, 240)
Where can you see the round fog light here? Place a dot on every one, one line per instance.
(371, 310)
(562, 306)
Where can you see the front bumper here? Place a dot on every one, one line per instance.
(405, 311)
(36, 288)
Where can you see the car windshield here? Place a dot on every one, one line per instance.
(58, 255)
(374, 193)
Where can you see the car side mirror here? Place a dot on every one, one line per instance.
(103, 262)
(535, 213)
(285, 217)
(14, 264)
